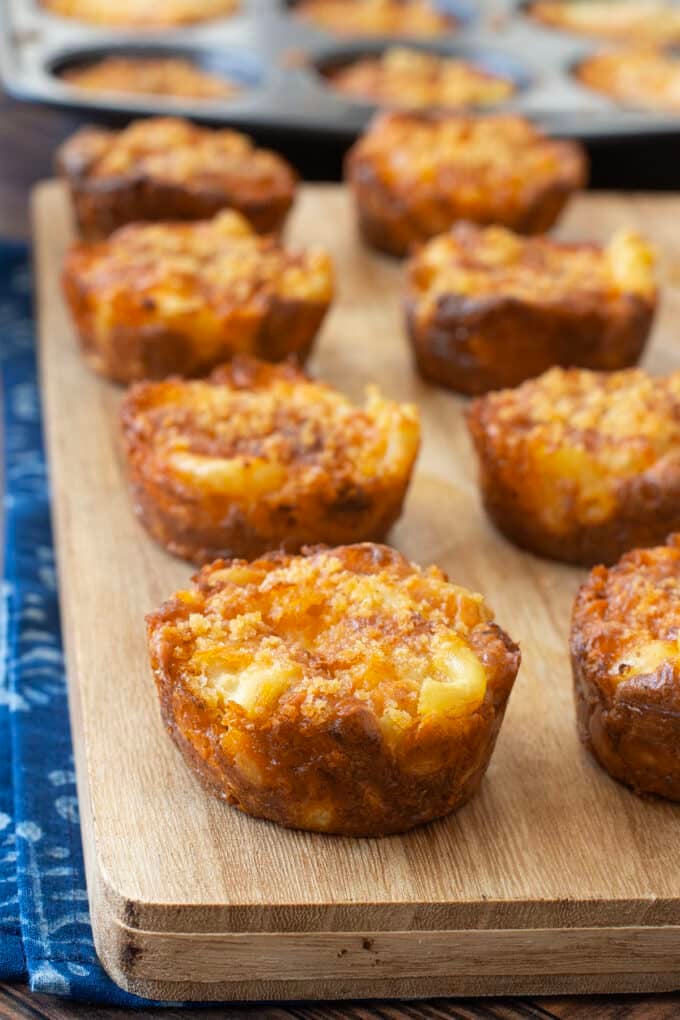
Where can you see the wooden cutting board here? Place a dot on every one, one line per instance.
(553, 879)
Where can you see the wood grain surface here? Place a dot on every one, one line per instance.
(180, 883)
(17, 1004)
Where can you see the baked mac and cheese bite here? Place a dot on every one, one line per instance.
(634, 21)
(155, 299)
(343, 691)
(260, 457)
(415, 174)
(164, 168)
(173, 77)
(141, 13)
(645, 79)
(625, 647)
(487, 308)
(377, 17)
(414, 79)
(581, 466)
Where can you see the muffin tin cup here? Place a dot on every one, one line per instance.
(276, 59)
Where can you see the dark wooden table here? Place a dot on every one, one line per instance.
(17, 1002)
(28, 137)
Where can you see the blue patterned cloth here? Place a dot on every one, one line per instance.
(45, 932)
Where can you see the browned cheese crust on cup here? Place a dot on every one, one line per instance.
(342, 691)
(646, 78)
(165, 168)
(643, 22)
(150, 76)
(259, 457)
(377, 17)
(487, 308)
(625, 647)
(415, 174)
(581, 466)
(155, 299)
(141, 13)
(412, 79)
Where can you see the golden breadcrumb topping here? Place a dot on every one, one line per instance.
(158, 76)
(627, 20)
(268, 432)
(141, 13)
(629, 615)
(412, 79)
(175, 151)
(580, 435)
(326, 630)
(220, 263)
(479, 262)
(377, 17)
(474, 155)
(639, 77)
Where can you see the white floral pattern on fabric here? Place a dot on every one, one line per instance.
(45, 932)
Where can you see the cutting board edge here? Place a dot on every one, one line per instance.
(330, 965)
(121, 955)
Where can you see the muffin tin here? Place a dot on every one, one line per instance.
(278, 60)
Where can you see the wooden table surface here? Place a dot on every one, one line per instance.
(27, 140)
(17, 1002)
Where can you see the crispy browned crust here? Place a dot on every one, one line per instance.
(646, 515)
(103, 203)
(340, 758)
(395, 217)
(632, 726)
(646, 509)
(102, 206)
(476, 346)
(126, 335)
(189, 528)
(392, 223)
(131, 354)
(200, 524)
(473, 344)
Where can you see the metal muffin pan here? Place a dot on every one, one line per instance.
(278, 60)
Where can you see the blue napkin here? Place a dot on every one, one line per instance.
(45, 932)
